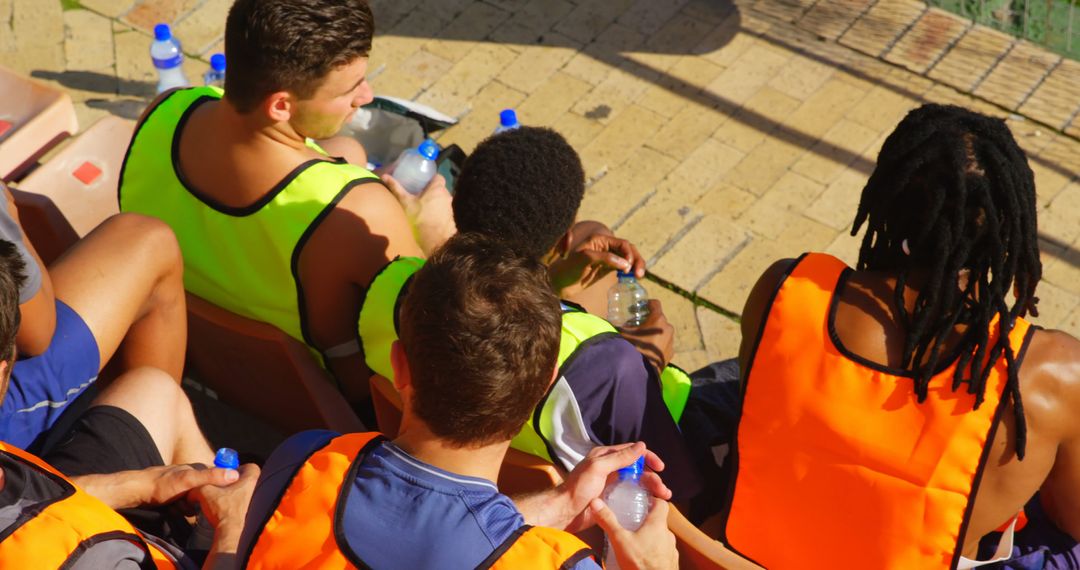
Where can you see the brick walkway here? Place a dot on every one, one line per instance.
(717, 136)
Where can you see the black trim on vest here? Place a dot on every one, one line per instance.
(245, 557)
(725, 512)
(237, 212)
(146, 564)
(504, 547)
(294, 264)
(834, 337)
(339, 509)
(578, 556)
(127, 153)
(576, 307)
(397, 303)
(985, 457)
(28, 514)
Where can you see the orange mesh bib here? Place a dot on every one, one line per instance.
(838, 464)
(66, 526)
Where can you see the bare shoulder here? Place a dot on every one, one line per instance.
(1050, 375)
(364, 230)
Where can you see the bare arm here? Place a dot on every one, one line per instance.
(364, 232)
(1061, 490)
(39, 313)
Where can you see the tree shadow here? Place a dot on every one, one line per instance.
(570, 30)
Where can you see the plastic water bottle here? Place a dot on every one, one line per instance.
(216, 74)
(202, 536)
(416, 167)
(629, 501)
(628, 302)
(507, 121)
(168, 59)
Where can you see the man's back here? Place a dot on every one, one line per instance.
(866, 324)
(262, 223)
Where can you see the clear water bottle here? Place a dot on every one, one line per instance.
(216, 74)
(628, 302)
(168, 59)
(629, 501)
(416, 167)
(202, 536)
(508, 121)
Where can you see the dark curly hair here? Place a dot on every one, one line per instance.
(291, 45)
(522, 186)
(955, 185)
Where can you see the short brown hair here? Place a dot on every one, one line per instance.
(12, 277)
(291, 45)
(480, 327)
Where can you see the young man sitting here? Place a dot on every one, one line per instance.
(271, 227)
(120, 283)
(137, 446)
(480, 337)
(898, 413)
(524, 187)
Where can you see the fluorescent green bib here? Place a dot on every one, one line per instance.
(244, 260)
(378, 331)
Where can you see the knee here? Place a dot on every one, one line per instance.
(346, 147)
(143, 391)
(152, 236)
(591, 228)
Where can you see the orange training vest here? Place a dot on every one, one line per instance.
(837, 464)
(303, 531)
(66, 526)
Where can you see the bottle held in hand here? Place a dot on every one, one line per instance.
(629, 501)
(628, 302)
(416, 167)
(202, 536)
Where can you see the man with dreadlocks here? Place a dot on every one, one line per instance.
(895, 415)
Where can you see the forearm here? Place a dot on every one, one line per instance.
(223, 552)
(121, 490)
(430, 236)
(549, 508)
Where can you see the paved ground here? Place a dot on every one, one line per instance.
(717, 136)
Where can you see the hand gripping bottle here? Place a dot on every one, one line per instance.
(168, 59)
(628, 302)
(629, 501)
(416, 167)
(202, 536)
(508, 121)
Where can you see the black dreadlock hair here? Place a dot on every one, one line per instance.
(958, 188)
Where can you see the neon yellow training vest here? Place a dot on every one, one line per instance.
(378, 331)
(244, 260)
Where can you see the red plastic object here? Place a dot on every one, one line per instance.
(87, 173)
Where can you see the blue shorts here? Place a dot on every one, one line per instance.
(41, 387)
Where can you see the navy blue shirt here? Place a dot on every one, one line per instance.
(401, 512)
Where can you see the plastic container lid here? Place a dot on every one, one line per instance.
(226, 458)
(508, 118)
(217, 62)
(428, 149)
(626, 274)
(162, 32)
(634, 470)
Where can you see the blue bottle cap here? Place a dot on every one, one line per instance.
(634, 470)
(508, 118)
(162, 32)
(226, 458)
(428, 149)
(217, 62)
(625, 274)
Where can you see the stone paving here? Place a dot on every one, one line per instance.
(717, 136)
